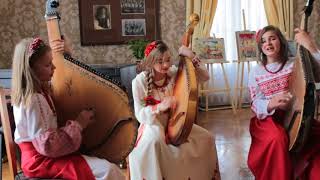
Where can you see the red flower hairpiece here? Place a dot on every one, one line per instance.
(149, 48)
(258, 35)
(35, 46)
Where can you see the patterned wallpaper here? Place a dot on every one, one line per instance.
(21, 18)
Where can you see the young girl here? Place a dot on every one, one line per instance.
(46, 150)
(153, 158)
(269, 158)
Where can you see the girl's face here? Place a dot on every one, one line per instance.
(163, 63)
(270, 45)
(44, 68)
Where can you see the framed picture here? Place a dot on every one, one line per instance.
(246, 45)
(210, 50)
(101, 17)
(133, 27)
(104, 22)
(133, 6)
(292, 46)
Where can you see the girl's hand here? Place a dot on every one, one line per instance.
(85, 118)
(60, 45)
(184, 51)
(304, 39)
(57, 45)
(280, 101)
(167, 103)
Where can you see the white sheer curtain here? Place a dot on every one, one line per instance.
(228, 19)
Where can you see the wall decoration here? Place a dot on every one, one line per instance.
(292, 47)
(133, 27)
(246, 45)
(132, 6)
(210, 50)
(117, 22)
(102, 17)
(171, 16)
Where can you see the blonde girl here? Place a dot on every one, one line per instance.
(48, 151)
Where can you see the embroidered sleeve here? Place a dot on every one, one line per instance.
(202, 72)
(144, 114)
(259, 103)
(59, 142)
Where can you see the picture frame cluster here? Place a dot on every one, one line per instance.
(117, 21)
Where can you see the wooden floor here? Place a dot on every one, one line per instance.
(232, 141)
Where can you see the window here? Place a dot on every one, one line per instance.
(229, 18)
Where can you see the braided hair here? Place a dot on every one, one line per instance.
(153, 50)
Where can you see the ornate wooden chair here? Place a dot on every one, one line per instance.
(15, 173)
(7, 132)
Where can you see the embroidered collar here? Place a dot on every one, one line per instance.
(274, 64)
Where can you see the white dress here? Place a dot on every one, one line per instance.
(38, 118)
(152, 158)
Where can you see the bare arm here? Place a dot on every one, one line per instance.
(200, 68)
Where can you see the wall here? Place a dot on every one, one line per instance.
(21, 18)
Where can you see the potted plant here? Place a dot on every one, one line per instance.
(137, 47)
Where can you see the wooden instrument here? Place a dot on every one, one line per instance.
(302, 85)
(186, 94)
(77, 86)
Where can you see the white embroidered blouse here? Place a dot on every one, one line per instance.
(263, 85)
(150, 114)
(38, 124)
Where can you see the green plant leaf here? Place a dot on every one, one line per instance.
(137, 47)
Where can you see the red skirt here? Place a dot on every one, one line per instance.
(69, 167)
(269, 158)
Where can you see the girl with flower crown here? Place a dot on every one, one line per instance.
(269, 157)
(46, 150)
(153, 157)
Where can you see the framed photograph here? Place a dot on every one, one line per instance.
(133, 27)
(102, 17)
(210, 50)
(104, 22)
(246, 45)
(132, 6)
(292, 46)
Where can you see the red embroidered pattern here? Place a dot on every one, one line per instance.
(252, 91)
(274, 85)
(269, 76)
(150, 100)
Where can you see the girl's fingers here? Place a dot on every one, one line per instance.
(56, 40)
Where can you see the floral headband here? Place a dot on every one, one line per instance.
(35, 46)
(149, 48)
(258, 35)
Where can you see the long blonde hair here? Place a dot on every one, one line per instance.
(24, 81)
(149, 61)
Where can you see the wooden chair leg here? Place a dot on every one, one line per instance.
(1, 153)
(128, 171)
